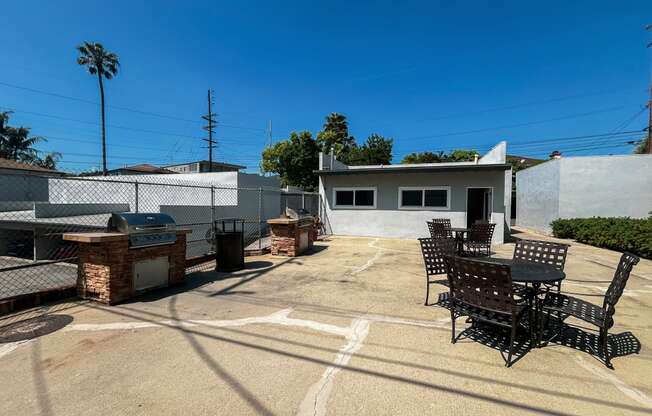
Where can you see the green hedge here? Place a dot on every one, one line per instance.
(620, 234)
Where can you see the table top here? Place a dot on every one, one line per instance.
(460, 229)
(523, 272)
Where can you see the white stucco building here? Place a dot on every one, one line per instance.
(397, 200)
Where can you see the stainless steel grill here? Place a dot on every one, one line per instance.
(145, 230)
(301, 214)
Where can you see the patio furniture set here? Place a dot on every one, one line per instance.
(523, 293)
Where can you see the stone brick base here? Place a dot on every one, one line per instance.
(105, 270)
(286, 238)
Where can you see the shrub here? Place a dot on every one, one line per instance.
(620, 234)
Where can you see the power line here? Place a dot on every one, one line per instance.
(161, 133)
(147, 113)
(521, 105)
(529, 123)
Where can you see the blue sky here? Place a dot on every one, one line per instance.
(432, 75)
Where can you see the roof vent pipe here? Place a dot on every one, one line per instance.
(332, 156)
(475, 158)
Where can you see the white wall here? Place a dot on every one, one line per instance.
(606, 186)
(583, 187)
(537, 195)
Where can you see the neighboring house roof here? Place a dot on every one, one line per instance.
(525, 161)
(223, 164)
(143, 168)
(421, 167)
(14, 165)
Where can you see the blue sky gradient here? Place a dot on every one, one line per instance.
(432, 75)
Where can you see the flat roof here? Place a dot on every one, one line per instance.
(425, 167)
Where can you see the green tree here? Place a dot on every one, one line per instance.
(461, 156)
(104, 64)
(377, 150)
(16, 143)
(439, 157)
(335, 135)
(294, 160)
(423, 157)
(642, 147)
(49, 161)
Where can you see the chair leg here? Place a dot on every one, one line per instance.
(427, 292)
(511, 343)
(604, 338)
(452, 325)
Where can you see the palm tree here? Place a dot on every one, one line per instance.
(49, 161)
(104, 64)
(19, 146)
(15, 143)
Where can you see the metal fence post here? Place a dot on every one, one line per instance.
(303, 200)
(212, 205)
(136, 190)
(260, 216)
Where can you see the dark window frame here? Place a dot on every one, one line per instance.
(354, 204)
(423, 206)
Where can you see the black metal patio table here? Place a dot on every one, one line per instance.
(534, 274)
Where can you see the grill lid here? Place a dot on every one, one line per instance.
(129, 222)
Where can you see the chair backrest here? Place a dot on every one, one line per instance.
(617, 286)
(545, 252)
(445, 221)
(481, 284)
(434, 251)
(481, 233)
(439, 230)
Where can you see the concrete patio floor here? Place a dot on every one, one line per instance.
(342, 331)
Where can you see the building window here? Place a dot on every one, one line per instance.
(359, 198)
(430, 198)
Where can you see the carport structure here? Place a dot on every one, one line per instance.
(340, 331)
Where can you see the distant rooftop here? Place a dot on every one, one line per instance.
(221, 165)
(141, 168)
(20, 166)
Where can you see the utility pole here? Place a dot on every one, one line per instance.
(269, 133)
(649, 106)
(210, 118)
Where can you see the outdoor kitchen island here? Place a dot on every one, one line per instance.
(292, 234)
(126, 260)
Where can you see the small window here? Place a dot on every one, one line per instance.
(431, 198)
(354, 197)
(412, 198)
(364, 198)
(435, 198)
(344, 198)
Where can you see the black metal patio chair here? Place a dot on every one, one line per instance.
(479, 241)
(434, 251)
(445, 221)
(543, 252)
(600, 316)
(483, 292)
(439, 230)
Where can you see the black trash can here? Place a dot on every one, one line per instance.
(229, 244)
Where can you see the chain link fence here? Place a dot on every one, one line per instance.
(35, 211)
